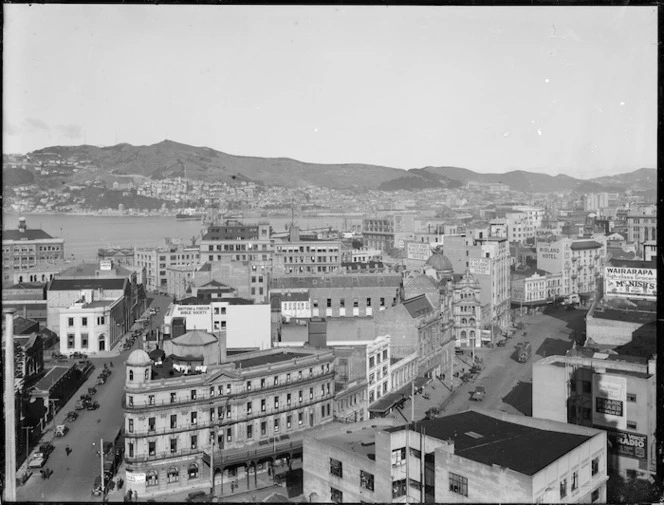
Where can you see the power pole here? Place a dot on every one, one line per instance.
(10, 410)
(101, 461)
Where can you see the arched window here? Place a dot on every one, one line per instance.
(464, 320)
(193, 471)
(463, 334)
(472, 333)
(131, 375)
(147, 373)
(173, 474)
(472, 321)
(152, 478)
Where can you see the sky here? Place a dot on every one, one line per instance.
(569, 90)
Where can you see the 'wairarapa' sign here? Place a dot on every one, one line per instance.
(630, 282)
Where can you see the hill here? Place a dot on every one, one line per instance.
(172, 159)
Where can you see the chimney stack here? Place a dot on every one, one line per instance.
(22, 226)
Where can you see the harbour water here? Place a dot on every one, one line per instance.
(85, 234)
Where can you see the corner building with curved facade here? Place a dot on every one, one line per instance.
(239, 416)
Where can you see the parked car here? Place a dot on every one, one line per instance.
(93, 406)
(61, 430)
(86, 397)
(58, 355)
(92, 391)
(37, 460)
(78, 355)
(478, 394)
(97, 489)
(71, 416)
(101, 379)
(80, 404)
(46, 448)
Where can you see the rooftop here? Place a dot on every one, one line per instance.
(85, 283)
(51, 377)
(28, 234)
(418, 306)
(585, 244)
(231, 300)
(337, 281)
(265, 359)
(490, 441)
(627, 263)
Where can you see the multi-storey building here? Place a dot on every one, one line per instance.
(123, 256)
(251, 278)
(595, 201)
(378, 233)
(345, 295)
(249, 409)
(237, 241)
(642, 225)
(531, 288)
(156, 261)
(477, 456)
(306, 257)
(488, 259)
(611, 392)
(24, 248)
(467, 312)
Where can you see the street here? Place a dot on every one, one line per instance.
(73, 476)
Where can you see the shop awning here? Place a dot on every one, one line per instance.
(391, 399)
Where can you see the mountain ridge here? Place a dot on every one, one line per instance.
(169, 158)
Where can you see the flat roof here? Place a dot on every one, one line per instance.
(490, 441)
(85, 283)
(359, 441)
(264, 360)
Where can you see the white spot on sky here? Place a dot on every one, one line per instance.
(532, 121)
(622, 104)
(539, 131)
(315, 129)
(547, 81)
(506, 134)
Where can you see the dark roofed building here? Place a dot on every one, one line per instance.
(86, 283)
(578, 245)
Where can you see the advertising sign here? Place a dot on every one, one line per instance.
(609, 399)
(479, 266)
(418, 251)
(625, 282)
(135, 477)
(631, 445)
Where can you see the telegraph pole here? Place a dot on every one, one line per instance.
(101, 462)
(10, 410)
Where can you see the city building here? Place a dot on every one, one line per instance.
(156, 260)
(611, 392)
(242, 323)
(297, 256)
(344, 295)
(25, 247)
(183, 428)
(642, 225)
(595, 201)
(476, 456)
(42, 272)
(251, 278)
(123, 256)
(467, 312)
(531, 289)
(488, 259)
(236, 241)
(28, 298)
(378, 233)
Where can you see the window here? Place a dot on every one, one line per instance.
(399, 456)
(220, 390)
(84, 340)
(174, 445)
(212, 414)
(276, 402)
(263, 405)
(356, 303)
(131, 400)
(288, 421)
(322, 410)
(311, 393)
(368, 302)
(263, 428)
(366, 480)
(228, 389)
(458, 484)
(336, 468)
(586, 387)
(276, 425)
(70, 321)
(336, 496)
(299, 375)
(228, 410)
(220, 412)
(193, 471)
(300, 396)
(311, 372)
(575, 481)
(130, 428)
(70, 340)
(229, 435)
(594, 496)
(151, 423)
(371, 362)
(248, 408)
(172, 397)
(382, 302)
(250, 431)
(398, 488)
(342, 303)
(174, 420)
(249, 385)
(147, 375)
(131, 449)
(152, 448)
(563, 488)
(194, 441)
(151, 479)
(262, 384)
(84, 321)
(300, 418)
(194, 417)
(595, 466)
(329, 303)
(384, 354)
(131, 376)
(193, 394)
(276, 380)
(173, 474)
(150, 398)
(631, 397)
(631, 425)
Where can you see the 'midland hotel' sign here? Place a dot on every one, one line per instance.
(630, 282)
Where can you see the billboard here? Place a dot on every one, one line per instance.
(479, 266)
(609, 399)
(631, 445)
(418, 251)
(630, 282)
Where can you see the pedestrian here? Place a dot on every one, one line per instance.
(67, 450)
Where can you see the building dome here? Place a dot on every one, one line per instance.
(439, 262)
(195, 338)
(139, 358)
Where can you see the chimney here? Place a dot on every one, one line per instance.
(10, 410)
(21, 225)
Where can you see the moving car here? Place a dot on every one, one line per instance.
(478, 394)
(93, 405)
(61, 430)
(97, 489)
(524, 351)
(71, 416)
(37, 460)
(46, 448)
